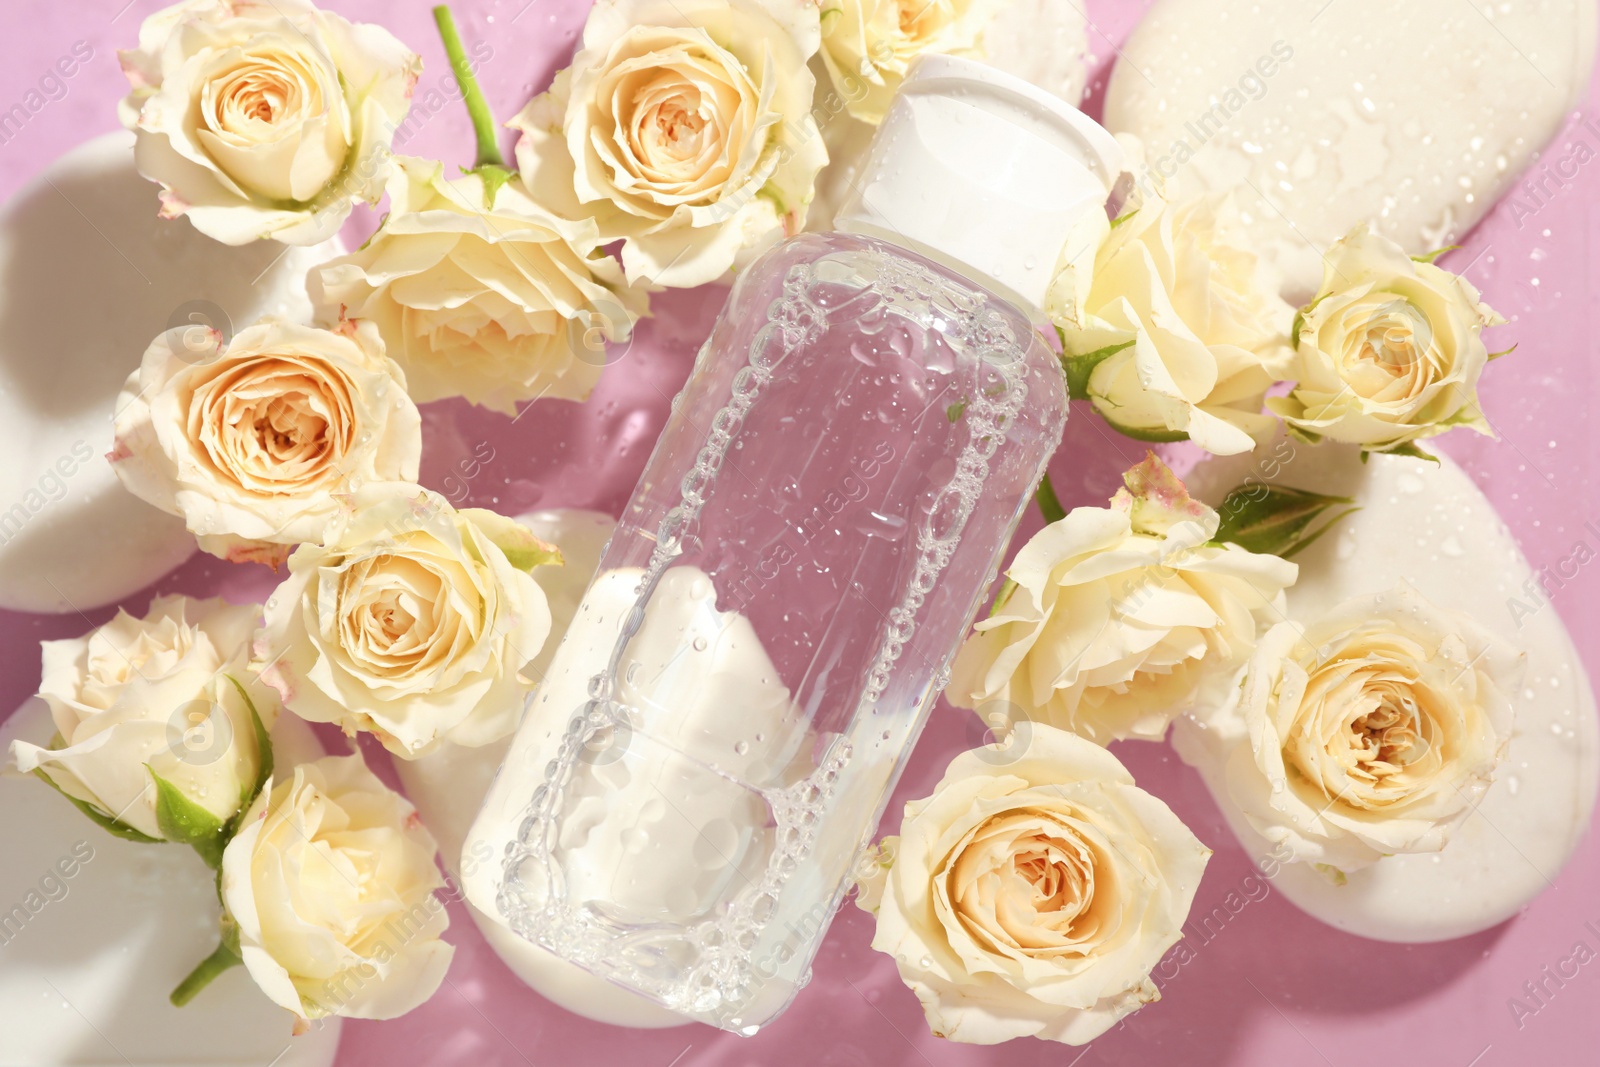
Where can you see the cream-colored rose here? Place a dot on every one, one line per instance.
(498, 304)
(265, 118)
(1181, 335)
(868, 45)
(1118, 619)
(251, 440)
(141, 697)
(329, 885)
(1033, 892)
(684, 128)
(410, 620)
(1370, 732)
(1389, 352)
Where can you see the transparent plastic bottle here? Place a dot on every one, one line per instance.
(720, 730)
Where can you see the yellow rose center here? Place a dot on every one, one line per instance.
(287, 432)
(921, 19)
(678, 128)
(1389, 738)
(261, 94)
(675, 134)
(1368, 730)
(277, 424)
(1026, 882)
(1387, 352)
(272, 118)
(401, 616)
(678, 119)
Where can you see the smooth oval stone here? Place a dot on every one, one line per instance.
(89, 276)
(1418, 116)
(90, 956)
(1431, 526)
(1045, 42)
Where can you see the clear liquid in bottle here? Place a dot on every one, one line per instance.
(724, 721)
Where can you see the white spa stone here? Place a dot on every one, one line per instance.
(89, 276)
(84, 979)
(1431, 526)
(1418, 115)
(1045, 42)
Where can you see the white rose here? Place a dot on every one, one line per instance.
(329, 885)
(1120, 618)
(868, 45)
(498, 303)
(1033, 892)
(138, 698)
(1181, 334)
(1370, 732)
(265, 119)
(684, 128)
(1389, 352)
(250, 440)
(410, 620)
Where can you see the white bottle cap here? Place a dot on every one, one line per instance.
(986, 173)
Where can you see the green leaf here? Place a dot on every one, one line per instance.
(1276, 519)
(521, 547)
(99, 817)
(494, 178)
(1306, 542)
(539, 555)
(225, 957)
(1429, 257)
(1124, 217)
(373, 236)
(1149, 435)
(1310, 437)
(1049, 504)
(1331, 873)
(955, 411)
(1079, 368)
(1299, 324)
(187, 823)
(1408, 449)
(1008, 587)
(1502, 352)
(263, 757)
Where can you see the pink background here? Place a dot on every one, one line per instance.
(1274, 986)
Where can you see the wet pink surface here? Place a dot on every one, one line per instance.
(1273, 987)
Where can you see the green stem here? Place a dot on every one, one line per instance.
(1048, 503)
(483, 124)
(213, 965)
